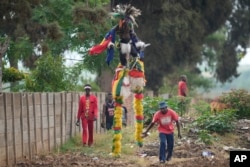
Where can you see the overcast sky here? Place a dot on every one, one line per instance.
(246, 60)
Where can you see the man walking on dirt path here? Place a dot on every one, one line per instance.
(87, 111)
(108, 112)
(182, 86)
(182, 93)
(165, 118)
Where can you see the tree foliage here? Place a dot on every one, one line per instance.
(16, 23)
(238, 35)
(4, 43)
(239, 101)
(12, 74)
(178, 29)
(36, 28)
(48, 76)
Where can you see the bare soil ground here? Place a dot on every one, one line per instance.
(187, 153)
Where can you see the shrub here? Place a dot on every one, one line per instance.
(239, 101)
(219, 123)
(48, 76)
(205, 137)
(201, 107)
(150, 106)
(12, 74)
(179, 104)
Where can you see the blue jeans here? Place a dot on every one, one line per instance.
(109, 125)
(166, 141)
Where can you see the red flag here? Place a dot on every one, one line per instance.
(97, 49)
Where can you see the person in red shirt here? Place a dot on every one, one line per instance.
(87, 112)
(165, 118)
(182, 86)
(182, 93)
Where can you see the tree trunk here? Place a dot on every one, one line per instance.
(105, 80)
(3, 47)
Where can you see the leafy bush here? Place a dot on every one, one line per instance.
(48, 76)
(179, 104)
(201, 106)
(151, 105)
(221, 123)
(205, 137)
(173, 103)
(12, 74)
(239, 101)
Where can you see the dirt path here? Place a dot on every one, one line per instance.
(187, 153)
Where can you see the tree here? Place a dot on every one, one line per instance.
(39, 27)
(178, 29)
(238, 28)
(4, 43)
(16, 23)
(48, 76)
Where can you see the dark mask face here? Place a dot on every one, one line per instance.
(164, 110)
(109, 98)
(87, 91)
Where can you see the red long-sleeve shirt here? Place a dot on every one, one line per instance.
(86, 111)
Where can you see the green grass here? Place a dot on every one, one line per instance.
(73, 144)
(103, 145)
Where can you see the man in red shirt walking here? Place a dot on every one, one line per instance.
(165, 118)
(87, 111)
(182, 93)
(182, 86)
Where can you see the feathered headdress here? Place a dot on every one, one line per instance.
(126, 11)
